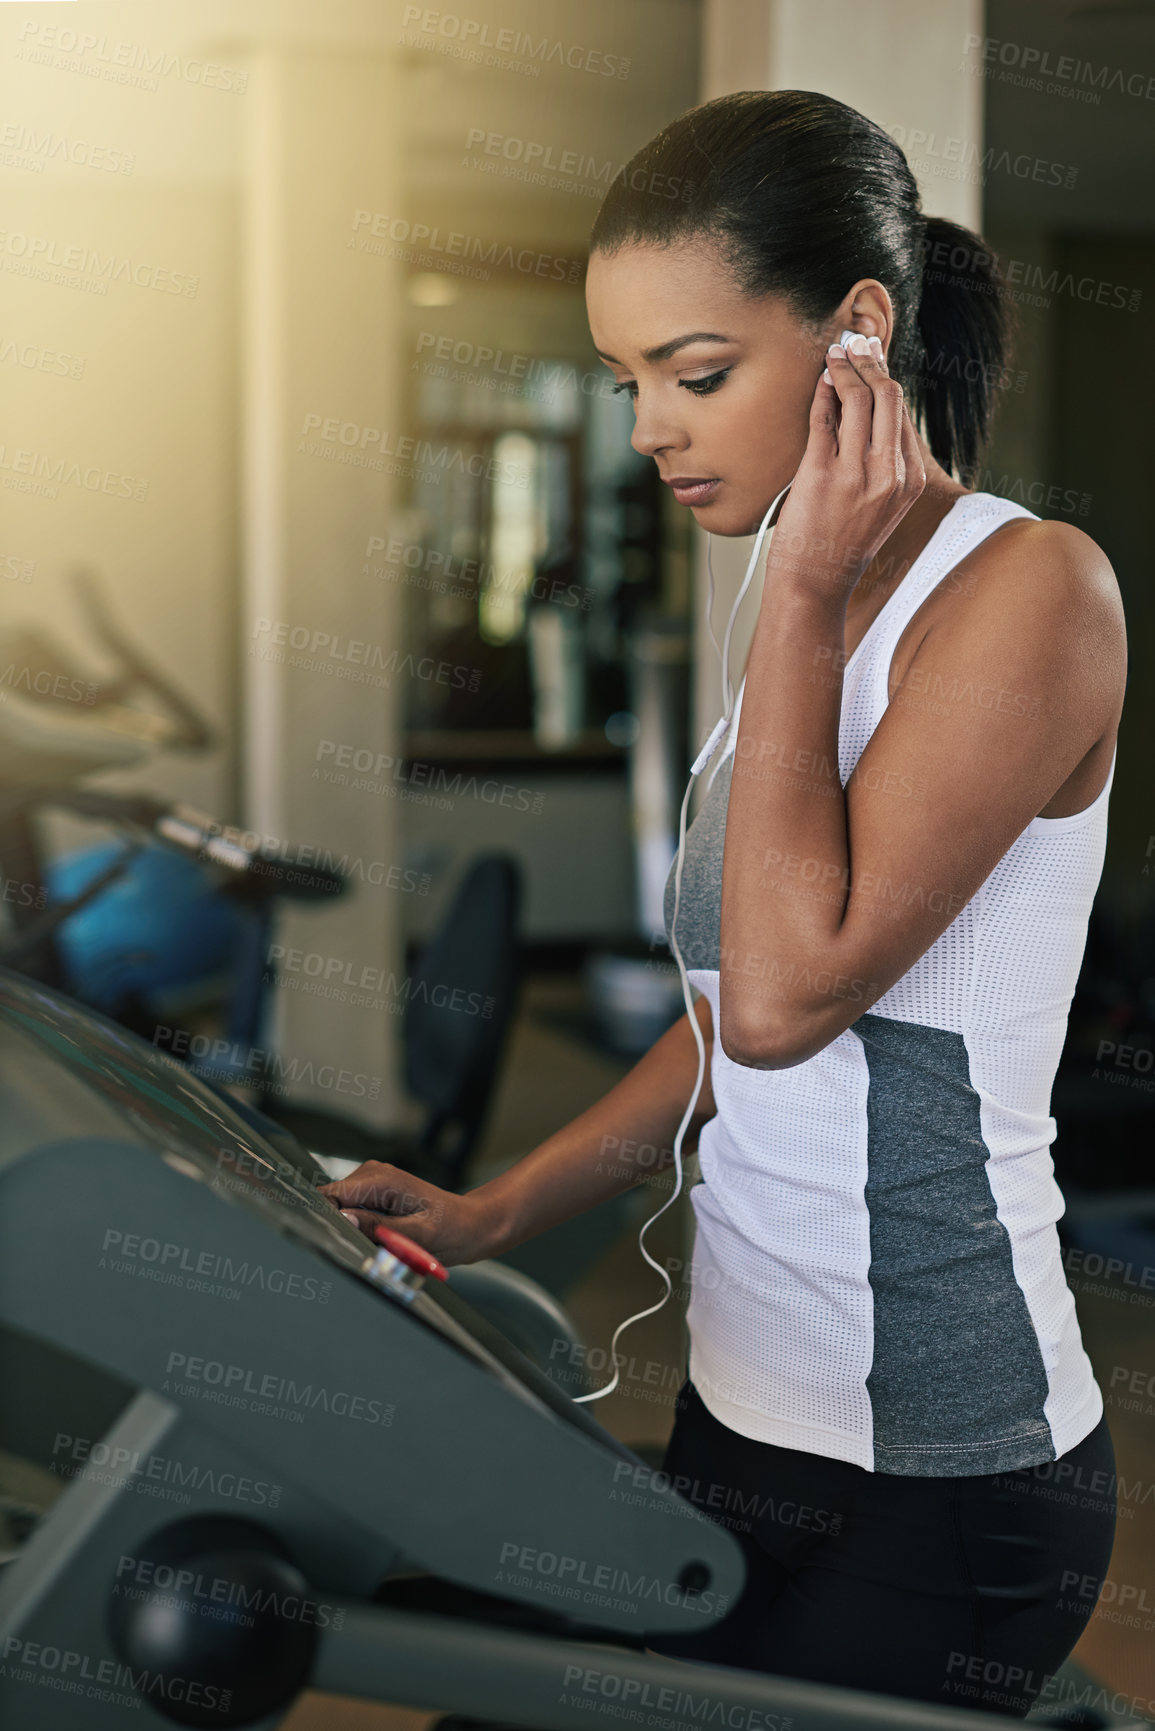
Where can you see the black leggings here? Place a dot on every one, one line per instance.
(966, 1591)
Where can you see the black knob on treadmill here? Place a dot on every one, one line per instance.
(215, 1620)
(694, 1577)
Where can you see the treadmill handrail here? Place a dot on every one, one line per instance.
(412, 1659)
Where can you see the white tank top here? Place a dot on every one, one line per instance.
(876, 1273)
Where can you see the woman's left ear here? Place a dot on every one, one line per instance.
(871, 313)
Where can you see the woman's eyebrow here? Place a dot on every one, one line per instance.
(663, 351)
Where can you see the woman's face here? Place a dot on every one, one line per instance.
(721, 384)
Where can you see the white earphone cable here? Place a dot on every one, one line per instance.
(699, 765)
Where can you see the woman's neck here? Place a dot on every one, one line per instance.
(904, 545)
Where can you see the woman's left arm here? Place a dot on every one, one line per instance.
(829, 895)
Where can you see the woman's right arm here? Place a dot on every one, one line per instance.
(617, 1143)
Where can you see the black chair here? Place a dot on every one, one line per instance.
(455, 1026)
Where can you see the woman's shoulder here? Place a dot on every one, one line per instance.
(1036, 605)
(1056, 561)
(1044, 577)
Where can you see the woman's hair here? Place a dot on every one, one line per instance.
(804, 196)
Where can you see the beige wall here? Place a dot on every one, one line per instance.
(154, 403)
(319, 340)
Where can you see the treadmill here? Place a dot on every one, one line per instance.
(294, 1459)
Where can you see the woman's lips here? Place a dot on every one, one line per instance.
(692, 492)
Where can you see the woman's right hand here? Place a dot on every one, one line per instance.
(453, 1228)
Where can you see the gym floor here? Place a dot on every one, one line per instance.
(551, 1075)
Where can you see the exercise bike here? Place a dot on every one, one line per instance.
(180, 910)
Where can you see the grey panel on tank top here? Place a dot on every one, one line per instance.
(955, 1350)
(700, 898)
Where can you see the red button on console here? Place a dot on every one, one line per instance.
(405, 1250)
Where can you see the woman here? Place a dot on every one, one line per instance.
(883, 907)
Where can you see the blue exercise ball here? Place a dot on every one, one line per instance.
(162, 925)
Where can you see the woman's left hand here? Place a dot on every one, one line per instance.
(860, 474)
